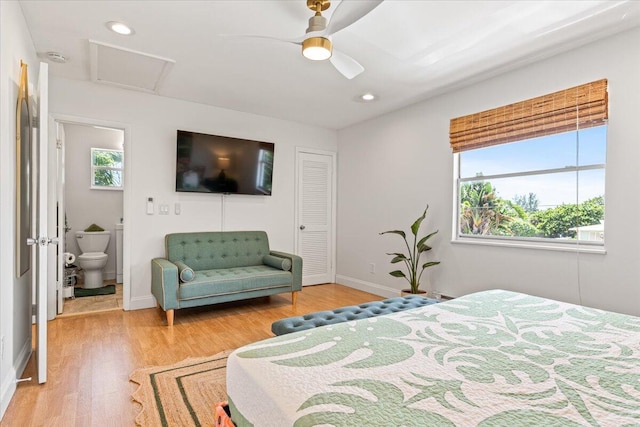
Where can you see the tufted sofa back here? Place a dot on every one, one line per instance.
(217, 249)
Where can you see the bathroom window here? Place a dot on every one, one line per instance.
(107, 169)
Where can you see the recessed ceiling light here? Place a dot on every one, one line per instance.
(120, 28)
(366, 98)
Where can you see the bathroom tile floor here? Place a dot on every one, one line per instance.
(75, 306)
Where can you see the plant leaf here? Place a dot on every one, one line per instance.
(430, 264)
(399, 232)
(416, 225)
(395, 254)
(398, 273)
(398, 259)
(427, 237)
(423, 248)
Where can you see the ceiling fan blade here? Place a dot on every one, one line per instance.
(295, 40)
(346, 65)
(242, 37)
(348, 12)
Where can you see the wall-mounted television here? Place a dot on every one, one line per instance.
(220, 164)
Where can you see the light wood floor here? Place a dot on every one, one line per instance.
(83, 305)
(91, 356)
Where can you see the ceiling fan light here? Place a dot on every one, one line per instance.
(317, 48)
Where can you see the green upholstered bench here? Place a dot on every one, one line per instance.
(346, 314)
(213, 267)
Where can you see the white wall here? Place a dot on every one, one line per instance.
(15, 294)
(153, 121)
(85, 206)
(391, 167)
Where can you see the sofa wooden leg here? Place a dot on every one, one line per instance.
(169, 317)
(294, 297)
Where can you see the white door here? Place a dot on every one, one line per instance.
(42, 242)
(315, 219)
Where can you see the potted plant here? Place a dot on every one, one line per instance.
(412, 258)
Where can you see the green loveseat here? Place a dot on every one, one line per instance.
(213, 267)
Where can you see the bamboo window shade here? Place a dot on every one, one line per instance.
(579, 107)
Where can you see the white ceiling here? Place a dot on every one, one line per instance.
(410, 50)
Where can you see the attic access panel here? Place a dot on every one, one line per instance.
(127, 68)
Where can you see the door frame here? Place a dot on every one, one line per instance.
(126, 194)
(334, 196)
(55, 187)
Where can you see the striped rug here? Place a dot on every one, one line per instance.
(183, 394)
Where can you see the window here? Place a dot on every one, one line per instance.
(265, 171)
(107, 169)
(547, 188)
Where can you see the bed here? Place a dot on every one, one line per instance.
(493, 358)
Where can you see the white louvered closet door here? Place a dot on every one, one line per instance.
(315, 214)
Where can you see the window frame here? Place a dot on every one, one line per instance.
(95, 168)
(518, 241)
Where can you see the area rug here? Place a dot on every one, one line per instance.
(105, 290)
(183, 394)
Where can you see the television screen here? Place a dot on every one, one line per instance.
(220, 164)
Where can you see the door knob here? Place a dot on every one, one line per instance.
(42, 241)
(302, 227)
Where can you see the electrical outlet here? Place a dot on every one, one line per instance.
(372, 268)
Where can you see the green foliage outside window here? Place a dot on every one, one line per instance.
(484, 213)
(558, 221)
(528, 202)
(107, 168)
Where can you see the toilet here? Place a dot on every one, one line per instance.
(93, 259)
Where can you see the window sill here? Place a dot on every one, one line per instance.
(96, 187)
(590, 249)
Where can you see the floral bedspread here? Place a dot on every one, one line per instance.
(493, 358)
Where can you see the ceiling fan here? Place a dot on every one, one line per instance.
(316, 43)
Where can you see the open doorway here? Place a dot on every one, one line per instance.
(90, 212)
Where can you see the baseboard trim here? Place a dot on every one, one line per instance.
(8, 389)
(9, 383)
(140, 303)
(372, 288)
(23, 358)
